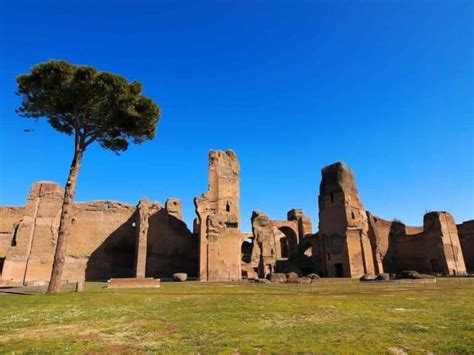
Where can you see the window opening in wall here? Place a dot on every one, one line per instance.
(227, 206)
(246, 250)
(353, 215)
(332, 197)
(329, 256)
(2, 261)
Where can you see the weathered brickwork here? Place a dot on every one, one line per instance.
(433, 248)
(102, 244)
(218, 223)
(277, 245)
(9, 221)
(113, 240)
(343, 247)
(466, 238)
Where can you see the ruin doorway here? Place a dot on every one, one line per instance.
(289, 243)
(284, 247)
(246, 250)
(338, 270)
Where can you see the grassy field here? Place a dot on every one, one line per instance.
(330, 317)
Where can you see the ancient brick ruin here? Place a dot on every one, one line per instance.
(343, 245)
(352, 242)
(218, 224)
(108, 239)
(113, 240)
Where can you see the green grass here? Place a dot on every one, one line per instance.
(329, 317)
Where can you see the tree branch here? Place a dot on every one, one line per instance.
(90, 140)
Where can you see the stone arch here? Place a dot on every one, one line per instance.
(288, 242)
(246, 250)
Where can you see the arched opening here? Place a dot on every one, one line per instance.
(246, 250)
(288, 243)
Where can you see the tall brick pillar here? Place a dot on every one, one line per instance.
(141, 238)
(218, 222)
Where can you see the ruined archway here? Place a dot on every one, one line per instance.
(288, 242)
(246, 250)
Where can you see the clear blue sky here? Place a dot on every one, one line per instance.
(386, 86)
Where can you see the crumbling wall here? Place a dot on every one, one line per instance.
(9, 221)
(441, 229)
(10, 218)
(287, 238)
(280, 246)
(102, 241)
(432, 248)
(343, 227)
(218, 223)
(172, 247)
(29, 256)
(379, 230)
(466, 238)
(305, 225)
(174, 208)
(300, 258)
(265, 248)
(112, 239)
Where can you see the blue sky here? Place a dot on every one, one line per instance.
(291, 86)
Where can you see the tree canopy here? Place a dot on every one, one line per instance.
(89, 104)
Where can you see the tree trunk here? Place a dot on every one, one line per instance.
(65, 223)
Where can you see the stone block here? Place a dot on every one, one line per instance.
(278, 278)
(180, 276)
(147, 282)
